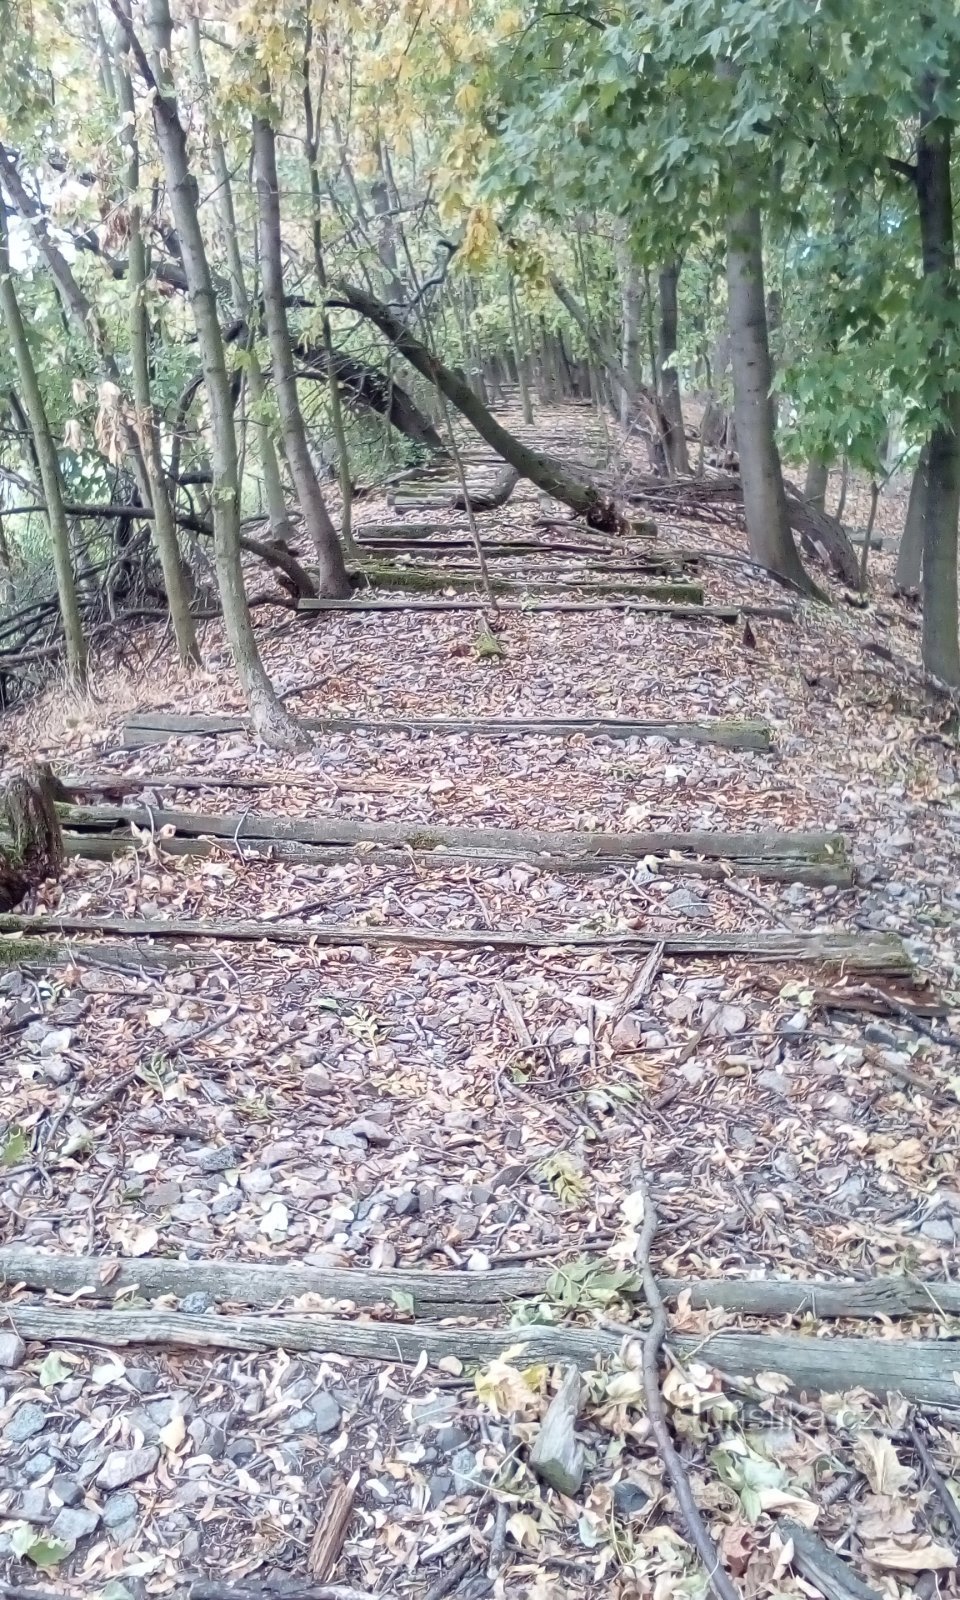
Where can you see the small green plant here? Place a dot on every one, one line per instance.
(580, 1284)
(487, 647)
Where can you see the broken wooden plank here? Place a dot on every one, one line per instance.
(920, 1370)
(252, 1283)
(876, 953)
(155, 727)
(104, 846)
(557, 1456)
(42, 954)
(324, 830)
(331, 1529)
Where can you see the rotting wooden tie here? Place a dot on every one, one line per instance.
(880, 953)
(157, 726)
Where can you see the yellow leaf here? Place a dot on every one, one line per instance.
(467, 97)
(524, 1530)
(880, 1464)
(505, 1390)
(915, 1555)
(173, 1435)
(507, 23)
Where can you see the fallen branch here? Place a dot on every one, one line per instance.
(884, 953)
(835, 1579)
(156, 727)
(552, 477)
(921, 1370)
(947, 1502)
(694, 1525)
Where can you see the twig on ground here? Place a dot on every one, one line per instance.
(898, 1008)
(733, 887)
(644, 981)
(931, 1090)
(694, 1525)
(453, 1578)
(947, 1502)
(498, 1542)
(832, 1575)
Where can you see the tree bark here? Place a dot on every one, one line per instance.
(33, 849)
(765, 504)
(815, 483)
(910, 554)
(269, 719)
(941, 489)
(631, 333)
(320, 268)
(585, 499)
(333, 580)
(274, 492)
(48, 464)
(518, 356)
(175, 577)
(675, 438)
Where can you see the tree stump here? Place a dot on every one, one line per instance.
(31, 844)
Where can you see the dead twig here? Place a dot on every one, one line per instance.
(643, 982)
(498, 1541)
(453, 1578)
(907, 1014)
(947, 1502)
(733, 887)
(694, 1525)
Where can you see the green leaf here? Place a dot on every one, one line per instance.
(53, 1370)
(40, 1548)
(16, 1146)
(403, 1300)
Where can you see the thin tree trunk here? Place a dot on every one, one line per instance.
(676, 441)
(630, 299)
(910, 553)
(518, 356)
(47, 464)
(765, 504)
(336, 407)
(277, 517)
(77, 307)
(868, 535)
(941, 496)
(269, 719)
(815, 483)
(148, 433)
(651, 335)
(333, 581)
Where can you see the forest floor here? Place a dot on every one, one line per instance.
(388, 1108)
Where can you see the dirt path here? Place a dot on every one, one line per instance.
(371, 1108)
